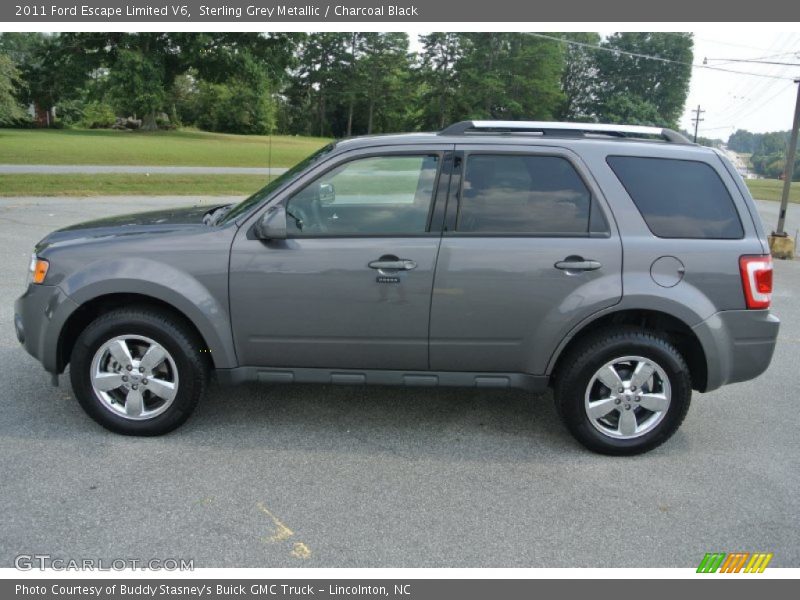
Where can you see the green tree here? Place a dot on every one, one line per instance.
(384, 70)
(10, 109)
(742, 140)
(49, 69)
(136, 86)
(579, 77)
(320, 85)
(242, 104)
(641, 88)
(438, 79)
(509, 76)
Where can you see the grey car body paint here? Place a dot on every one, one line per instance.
(176, 258)
(167, 255)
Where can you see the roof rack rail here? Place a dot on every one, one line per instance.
(565, 129)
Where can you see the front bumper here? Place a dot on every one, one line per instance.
(738, 345)
(39, 317)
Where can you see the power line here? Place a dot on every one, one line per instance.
(750, 60)
(762, 92)
(732, 44)
(649, 57)
(716, 128)
(746, 87)
(763, 104)
(762, 88)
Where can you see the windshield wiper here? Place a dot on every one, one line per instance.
(213, 216)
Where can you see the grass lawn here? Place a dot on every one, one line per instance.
(771, 189)
(134, 184)
(178, 148)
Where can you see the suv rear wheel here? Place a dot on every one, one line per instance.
(137, 371)
(623, 391)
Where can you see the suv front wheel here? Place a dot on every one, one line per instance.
(138, 371)
(623, 391)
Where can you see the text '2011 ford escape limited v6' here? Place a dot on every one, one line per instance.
(624, 266)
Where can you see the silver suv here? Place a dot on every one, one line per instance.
(621, 265)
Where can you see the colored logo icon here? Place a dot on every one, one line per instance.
(736, 562)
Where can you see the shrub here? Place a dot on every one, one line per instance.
(98, 115)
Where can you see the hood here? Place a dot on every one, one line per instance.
(151, 222)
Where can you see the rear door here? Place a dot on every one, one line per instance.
(528, 251)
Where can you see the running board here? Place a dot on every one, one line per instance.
(523, 381)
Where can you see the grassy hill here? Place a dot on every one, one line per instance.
(163, 148)
(179, 148)
(771, 189)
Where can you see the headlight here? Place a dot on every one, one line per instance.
(38, 269)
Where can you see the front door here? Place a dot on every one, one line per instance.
(351, 286)
(526, 255)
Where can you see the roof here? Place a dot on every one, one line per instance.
(524, 132)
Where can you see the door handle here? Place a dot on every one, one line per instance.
(392, 264)
(577, 263)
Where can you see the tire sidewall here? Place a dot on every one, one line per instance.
(572, 392)
(110, 326)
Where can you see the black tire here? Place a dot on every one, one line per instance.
(177, 339)
(579, 366)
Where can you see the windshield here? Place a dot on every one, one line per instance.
(254, 200)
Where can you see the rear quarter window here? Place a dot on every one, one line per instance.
(679, 198)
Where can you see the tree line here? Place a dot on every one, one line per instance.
(767, 150)
(339, 83)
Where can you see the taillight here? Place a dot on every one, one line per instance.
(756, 280)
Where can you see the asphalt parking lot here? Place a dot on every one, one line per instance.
(282, 476)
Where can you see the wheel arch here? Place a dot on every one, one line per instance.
(89, 309)
(678, 331)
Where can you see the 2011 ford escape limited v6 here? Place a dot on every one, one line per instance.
(624, 266)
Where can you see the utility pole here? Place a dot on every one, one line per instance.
(697, 120)
(788, 171)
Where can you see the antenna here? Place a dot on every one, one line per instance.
(269, 159)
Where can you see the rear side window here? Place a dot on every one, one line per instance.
(679, 198)
(522, 194)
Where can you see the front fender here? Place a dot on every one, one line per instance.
(206, 308)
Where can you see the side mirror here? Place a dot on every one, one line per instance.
(272, 225)
(327, 193)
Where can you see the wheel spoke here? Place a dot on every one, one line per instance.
(119, 350)
(134, 403)
(162, 389)
(609, 377)
(600, 408)
(154, 356)
(105, 382)
(654, 402)
(642, 374)
(627, 422)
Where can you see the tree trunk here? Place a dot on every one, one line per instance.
(321, 115)
(371, 114)
(350, 117)
(149, 122)
(350, 108)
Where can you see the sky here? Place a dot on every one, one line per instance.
(734, 101)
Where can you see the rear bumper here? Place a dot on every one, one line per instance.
(738, 345)
(39, 316)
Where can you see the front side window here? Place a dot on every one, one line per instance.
(522, 194)
(378, 195)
